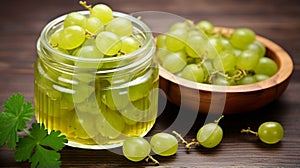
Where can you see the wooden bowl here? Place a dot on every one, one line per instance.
(230, 99)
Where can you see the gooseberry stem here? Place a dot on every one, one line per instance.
(202, 61)
(238, 76)
(218, 120)
(152, 159)
(248, 130)
(90, 35)
(241, 73)
(180, 137)
(194, 142)
(139, 17)
(85, 5)
(188, 145)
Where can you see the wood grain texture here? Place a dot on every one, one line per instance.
(277, 20)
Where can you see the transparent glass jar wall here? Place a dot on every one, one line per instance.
(96, 103)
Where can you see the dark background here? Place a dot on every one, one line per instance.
(279, 20)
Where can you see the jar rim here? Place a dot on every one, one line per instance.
(52, 24)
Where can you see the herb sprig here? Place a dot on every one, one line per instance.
(37, 146)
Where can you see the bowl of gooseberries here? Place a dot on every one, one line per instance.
(213, 69)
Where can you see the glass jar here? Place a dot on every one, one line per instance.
(96, 103)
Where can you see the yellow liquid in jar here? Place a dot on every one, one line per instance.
(115, 113)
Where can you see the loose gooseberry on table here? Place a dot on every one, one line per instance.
(268, 132)
(164, 144)
(209, 135)
(136, 148)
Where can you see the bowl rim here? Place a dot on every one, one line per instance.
(285, 69)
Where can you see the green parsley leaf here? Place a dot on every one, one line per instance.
(45, 158)
(41, 148)
(54, 141)
(24, 149)
(13, 119)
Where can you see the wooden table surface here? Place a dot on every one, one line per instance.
(278, 20)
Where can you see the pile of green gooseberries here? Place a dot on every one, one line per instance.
(97, 35)
(209, 135)
(96, 88)
(205, 54)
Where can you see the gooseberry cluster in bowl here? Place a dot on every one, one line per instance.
(205, 54)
